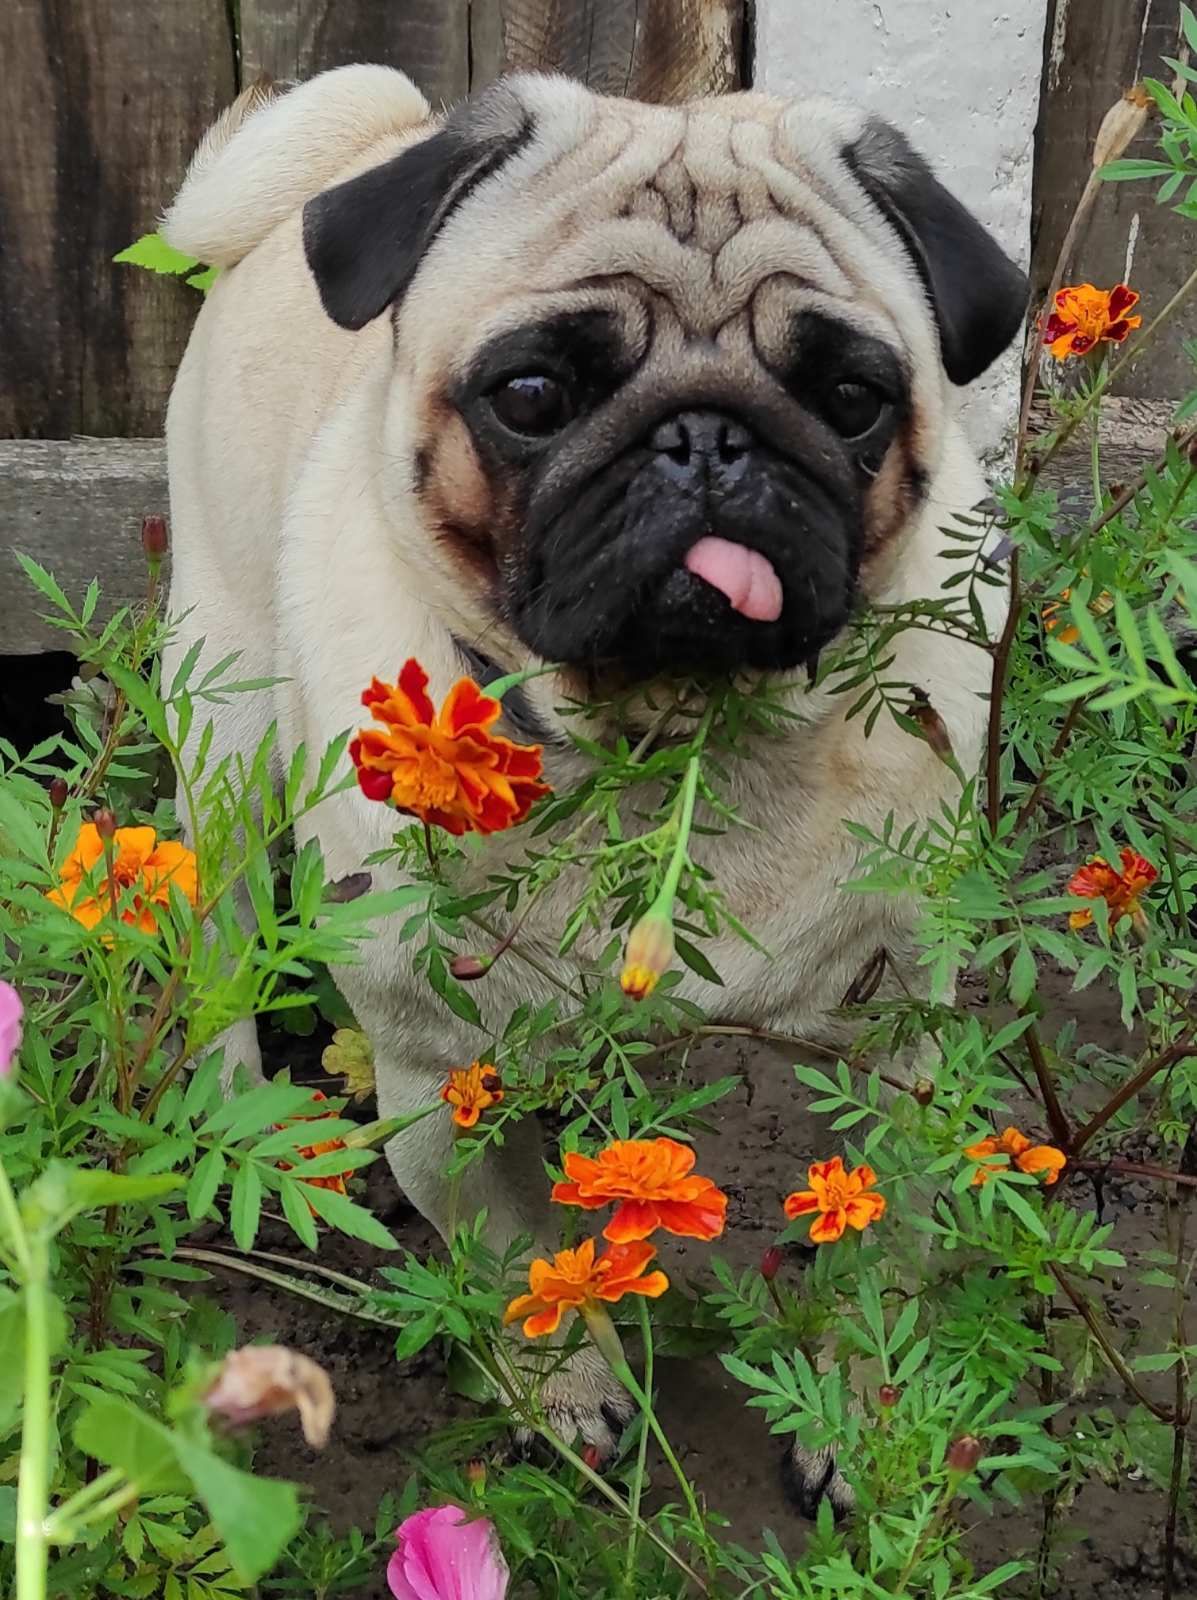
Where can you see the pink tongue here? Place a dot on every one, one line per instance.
(743, 575)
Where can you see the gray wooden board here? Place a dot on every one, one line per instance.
(75, 506)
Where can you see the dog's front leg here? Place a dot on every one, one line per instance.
(581, 1398)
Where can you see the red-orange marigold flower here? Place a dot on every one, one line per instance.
(652, 1185)
(471, 1091)
(445, 766)
(1097, 880)
(1010, 1145)
(575, 1281)
(335, 1180)
(840, 1197)
(143, 869)
(1085, 317)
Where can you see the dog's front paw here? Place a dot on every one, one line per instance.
(811, 1476)
(584, 1400)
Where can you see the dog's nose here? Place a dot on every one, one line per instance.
(701, 445)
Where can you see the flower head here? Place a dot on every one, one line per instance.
(1063, 631)
(652, 1185)
(1085, 317)
(841, 1199)
(320, 1147)
(11, 1012)
(649, 953)
(1009, 1146)
(265, 1380)
(575, 1280)
(442, 1555)
(131, 868)
(471, 1091)
(1097, 880)
(445, 766)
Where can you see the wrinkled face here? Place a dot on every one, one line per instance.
(673, 378)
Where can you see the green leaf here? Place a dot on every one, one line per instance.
(1025, 1212)
(349, 1218)
(12, 1356)
(695, 960)
(297, 1211)
(205, 1180)
(62, 1192)
(8, 1514)
(246, 1207)
(153, 253)
(255, 1517)
(417, 1334)
(121, 1435)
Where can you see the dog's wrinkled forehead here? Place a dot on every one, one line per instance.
(540, 186)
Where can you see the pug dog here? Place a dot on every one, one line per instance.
(627, 390)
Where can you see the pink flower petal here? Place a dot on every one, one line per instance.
(11, 1012)
(443, 1556)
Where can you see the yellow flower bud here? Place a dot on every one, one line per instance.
(649, 954)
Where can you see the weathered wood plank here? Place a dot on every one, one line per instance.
(102, 103)
(292, 39)
(75, 506)
(659, 50)
(1096, 50)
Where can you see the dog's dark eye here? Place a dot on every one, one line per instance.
(853, 408)
(533, 404)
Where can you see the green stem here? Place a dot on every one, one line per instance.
(646, 1329)
(66, 1515)
(673, 873)
(35, 1437)
(626, 1376)
(1095, 459)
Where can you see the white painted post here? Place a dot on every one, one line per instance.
(961, 79)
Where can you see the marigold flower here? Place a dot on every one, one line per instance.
(445, 766)
(576, 1281)
(652, 1185)
(1085, 317)
(443, 1555)
(1097, 880)
(1066, 632)
(840, 1197)
(334, 1180)
(11, 1013)
(649, 954)
(471, 1091)
(1011, 1145)
(140, 862)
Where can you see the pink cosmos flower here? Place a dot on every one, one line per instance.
(443, 1556)
(11, 1012)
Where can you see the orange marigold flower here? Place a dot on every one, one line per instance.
(143, 869)
(1097, 880)
(1085, 317)
(576, 1281)
(445, 766)
(334, 1180)
(840, 1197)
(1059, 627)
(652, 1185)
(1011, 1145)
(471, 1091)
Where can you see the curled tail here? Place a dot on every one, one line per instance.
(273, 149)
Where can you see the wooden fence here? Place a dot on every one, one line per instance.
(102, 102)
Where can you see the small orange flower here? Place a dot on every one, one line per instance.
(1085, 317)
(1068, 632)
(445, 766)
(1014, 1146)
(141, 863)
(1097, 880)
(335, 1180)
(839, 1197)
(653, 1186)
(575, 1281)
(471, 1091)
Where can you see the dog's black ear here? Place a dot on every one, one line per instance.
(978, 294)
(365, 239)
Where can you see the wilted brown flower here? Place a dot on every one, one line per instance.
(269, 1379)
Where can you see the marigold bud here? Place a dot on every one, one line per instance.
(1122, 123)
(476, 1473)
(923, 1091)
(153, 537)
(59, 793)
(771, 1262)
(467, 969)
(105, 823)
(649, 953)
(592, 1456)
(964, 1453)
(888, 1395)
(932, 726)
